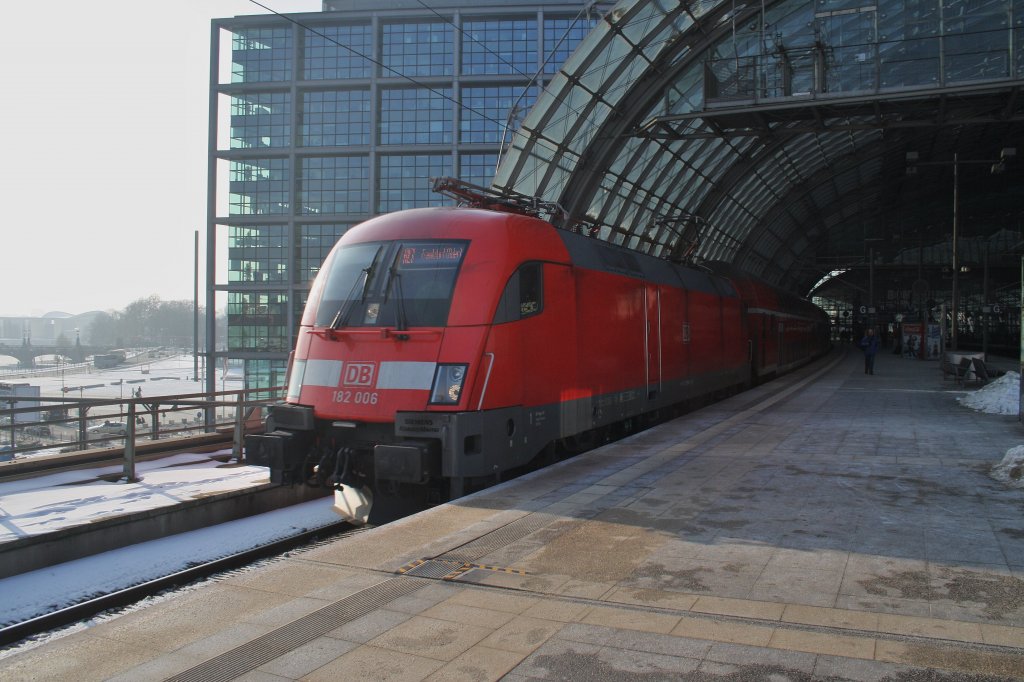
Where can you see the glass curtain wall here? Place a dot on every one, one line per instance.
(848, 46)
(341, 116)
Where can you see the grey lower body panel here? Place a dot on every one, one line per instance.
(489, 442)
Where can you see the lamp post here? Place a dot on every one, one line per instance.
(954, 332)
(195, 314)
(997, 166)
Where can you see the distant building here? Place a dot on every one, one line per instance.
(51, 329)
(323, 120)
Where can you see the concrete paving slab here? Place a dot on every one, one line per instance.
(850, 646)
(307, 658)
(724, 631)
(560, 659)
(471, 615)
(83, 656)
(372, 663)
(297, 579)
(478, 664)
(372, 625)
(830, 618)
(628, 619)
(743, 608)
(431, 637)
(190, 617)
(522, 635)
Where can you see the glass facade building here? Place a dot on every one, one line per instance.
(320, 121)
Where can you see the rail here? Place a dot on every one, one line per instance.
(34, 426)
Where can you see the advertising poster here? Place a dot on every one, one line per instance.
(912, 339)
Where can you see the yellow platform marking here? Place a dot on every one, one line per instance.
(460, 568)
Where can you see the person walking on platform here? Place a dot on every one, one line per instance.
(869, 344)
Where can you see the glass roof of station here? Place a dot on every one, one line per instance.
(774, 135)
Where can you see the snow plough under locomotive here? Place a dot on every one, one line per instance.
(445, 347)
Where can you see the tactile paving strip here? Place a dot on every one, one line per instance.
(251, 655)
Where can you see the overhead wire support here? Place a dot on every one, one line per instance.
(474, 196)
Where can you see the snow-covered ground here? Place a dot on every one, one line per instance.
(44, 504)
(40, 592)
(1011, 469)
(1001, 396)
(49, 503)
(163, 376)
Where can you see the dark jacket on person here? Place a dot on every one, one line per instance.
(870, 344)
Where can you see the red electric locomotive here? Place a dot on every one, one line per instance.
(445, 346)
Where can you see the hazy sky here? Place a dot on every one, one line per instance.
(103, 166)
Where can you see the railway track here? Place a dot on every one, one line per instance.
(18, 632)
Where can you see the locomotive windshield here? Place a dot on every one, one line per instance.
(391, 284)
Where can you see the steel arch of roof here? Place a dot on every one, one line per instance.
(624, 137)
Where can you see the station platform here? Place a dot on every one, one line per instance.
(829, 525)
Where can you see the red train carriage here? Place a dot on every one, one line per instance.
(446, 345)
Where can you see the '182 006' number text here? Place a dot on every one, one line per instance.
(357, 397)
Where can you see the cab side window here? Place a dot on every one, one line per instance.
(523, 295)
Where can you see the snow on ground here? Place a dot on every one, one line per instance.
(164, 376)
(43, 591)
(1011, 469)
(49, 503)
(1002, 396)
(44, 504)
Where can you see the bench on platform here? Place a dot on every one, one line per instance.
(948, 368)
(984, 373)
(962, 370)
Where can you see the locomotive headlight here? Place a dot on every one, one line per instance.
(296, 370)
(447, 386)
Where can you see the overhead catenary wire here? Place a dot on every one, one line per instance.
(586, 9)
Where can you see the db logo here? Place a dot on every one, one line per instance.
(358, 374)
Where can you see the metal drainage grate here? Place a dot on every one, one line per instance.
(450, 570)
(432, 568)
(499, 538)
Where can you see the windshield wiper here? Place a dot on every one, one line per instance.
(341, 317)
(395, 280)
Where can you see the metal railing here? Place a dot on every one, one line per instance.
(35, 426)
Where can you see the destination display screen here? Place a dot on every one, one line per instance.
(435, 255)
